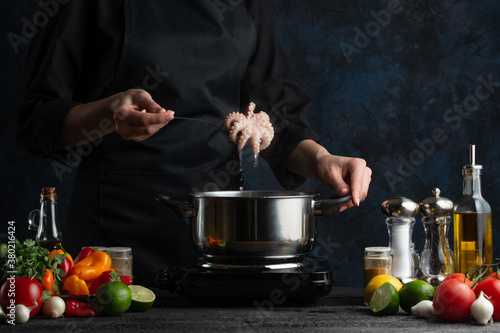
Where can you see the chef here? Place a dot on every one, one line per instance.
(102, 79)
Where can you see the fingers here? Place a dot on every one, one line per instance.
(137, 116)
(349, 175)
(138, 126)
(360, 177)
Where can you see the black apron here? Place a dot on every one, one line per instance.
(191, 57)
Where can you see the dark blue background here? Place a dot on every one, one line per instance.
(407, 98)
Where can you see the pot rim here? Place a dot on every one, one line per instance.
(253, 194)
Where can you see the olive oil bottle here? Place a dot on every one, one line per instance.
(472, 221)
(48, 233)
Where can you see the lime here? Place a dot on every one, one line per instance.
(385, 300)
(377, 281)
(142, 298)
(413, 292)
(113, 298)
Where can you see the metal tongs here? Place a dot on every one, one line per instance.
(221, 128)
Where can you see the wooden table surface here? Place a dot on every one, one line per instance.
(342, 311)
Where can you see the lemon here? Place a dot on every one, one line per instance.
(113, 298)
(142, 298)
(385, 300)
(377, 281)
(413, 292)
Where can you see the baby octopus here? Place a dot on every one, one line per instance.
(254, 128)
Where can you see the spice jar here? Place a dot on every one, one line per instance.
(436, 259)
(121, 259)
(400, 213)
(377, 261)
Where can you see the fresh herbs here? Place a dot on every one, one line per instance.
(30, 260)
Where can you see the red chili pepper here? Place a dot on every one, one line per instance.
(105, 277)
(80, 309)
(127, 280)
(84, 253)
(65, 266)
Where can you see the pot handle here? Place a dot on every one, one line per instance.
(326, 206)
(180, 208)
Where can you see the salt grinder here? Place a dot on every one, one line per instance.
(436, 259)
(400, 213)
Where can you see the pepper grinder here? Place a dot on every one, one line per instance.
(400, 218)
(436, 259)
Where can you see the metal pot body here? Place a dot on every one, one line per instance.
(253, 224)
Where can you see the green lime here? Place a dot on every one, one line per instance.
(142, 298)
(385, 300)
(377, 281)
(113, 298)
(413, 292)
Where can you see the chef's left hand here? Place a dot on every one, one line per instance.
(343, 174)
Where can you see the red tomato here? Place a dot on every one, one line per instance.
(460, 277)
(491, 288)
(22, 290)
(452, 300)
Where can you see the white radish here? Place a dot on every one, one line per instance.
(54, 307)
(423, 309)
(482, 309)
(23, 312)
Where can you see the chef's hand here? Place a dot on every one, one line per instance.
(137, 116)
(343, 174)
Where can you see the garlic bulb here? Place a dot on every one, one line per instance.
(423, 309)
(482, 309)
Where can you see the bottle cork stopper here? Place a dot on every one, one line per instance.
(49, 192)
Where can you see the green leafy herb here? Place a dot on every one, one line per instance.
(27, 259)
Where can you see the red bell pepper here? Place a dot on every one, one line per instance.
(67, 262)
(84, 253)
(127, 280)
(80, 309)
(105, 277)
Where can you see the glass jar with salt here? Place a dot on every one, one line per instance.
(400, 218)
(121, 260)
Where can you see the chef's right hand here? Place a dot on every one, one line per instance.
(137, 116)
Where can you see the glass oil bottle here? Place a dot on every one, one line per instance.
(49, 233)
(473, 238)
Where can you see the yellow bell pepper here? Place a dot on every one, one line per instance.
(76, 286)
(91, 267)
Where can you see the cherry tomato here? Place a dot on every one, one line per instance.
(453, 300)
(23, 290)
(491, 288)
(460, 277)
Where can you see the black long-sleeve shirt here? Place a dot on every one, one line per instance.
(202, 59)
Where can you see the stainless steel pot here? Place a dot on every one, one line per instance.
(253, 224)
